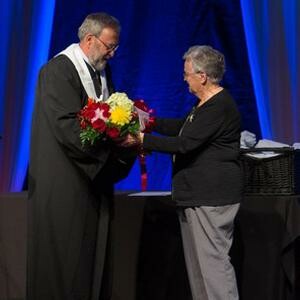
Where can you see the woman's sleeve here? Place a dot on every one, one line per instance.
(204, 128)
(170, 127)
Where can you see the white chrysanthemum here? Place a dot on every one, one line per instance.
(120, 100)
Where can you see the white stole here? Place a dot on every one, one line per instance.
(74, 53)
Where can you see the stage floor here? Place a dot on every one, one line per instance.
(148, 255)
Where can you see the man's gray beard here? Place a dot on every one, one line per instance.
(98, 64)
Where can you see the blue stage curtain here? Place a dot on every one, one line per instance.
(272, 34)
(25, 36)
(148, 65)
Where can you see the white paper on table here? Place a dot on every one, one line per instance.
(264, 143)
(248, 139)
(264, 154)
(151, 193)
(296, 146)
(267, 144)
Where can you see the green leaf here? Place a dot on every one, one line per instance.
(88, 136)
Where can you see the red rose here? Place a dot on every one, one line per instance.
(83, 124)
(141, 105)
(104, 107)
(112, 132)
(99, 125)
(88, 113)
(93, 106)
(90, 101)
(149, 126)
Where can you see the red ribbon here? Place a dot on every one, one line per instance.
(142, 155)
(143, 167)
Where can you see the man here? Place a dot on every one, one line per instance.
(71, 187)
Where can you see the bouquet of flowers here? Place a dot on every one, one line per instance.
(113, 118)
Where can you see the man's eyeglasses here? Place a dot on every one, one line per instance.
(108, 47)
(186, 75)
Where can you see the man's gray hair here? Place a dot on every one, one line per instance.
(208, 60)
(95, 23)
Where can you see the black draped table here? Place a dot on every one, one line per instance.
(266, 248)
(149, 261)
(264, 251)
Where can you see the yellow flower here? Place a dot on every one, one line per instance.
(120, 116)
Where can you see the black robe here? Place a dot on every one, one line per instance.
(70, 192)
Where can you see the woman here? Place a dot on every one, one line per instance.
(207, 181)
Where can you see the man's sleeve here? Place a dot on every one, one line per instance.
(60, 94)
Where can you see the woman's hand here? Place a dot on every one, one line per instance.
(131, 140)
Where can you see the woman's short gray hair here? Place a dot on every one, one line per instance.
(95, 23)
(208, 60)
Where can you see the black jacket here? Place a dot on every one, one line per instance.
(206, 168)
(68, 187)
